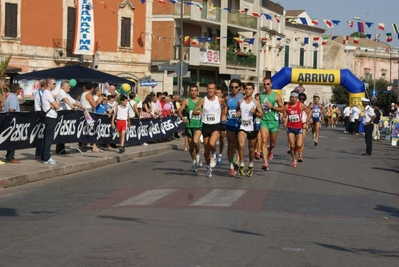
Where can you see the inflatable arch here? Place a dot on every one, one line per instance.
(343, 77)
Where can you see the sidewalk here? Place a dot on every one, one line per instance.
(30, 170)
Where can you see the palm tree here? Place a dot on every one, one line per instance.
(3, 83)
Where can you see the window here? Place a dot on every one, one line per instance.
(287, 56)
(315, 59)
(125, 32)
(11, 20)
(301, 57)
(71, 18)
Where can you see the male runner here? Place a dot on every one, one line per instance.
(317, 115)
(271, 105)
(232, 123)
(219, 160)
(193, 125)
(212, 110)
(248, 110)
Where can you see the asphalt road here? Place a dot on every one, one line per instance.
(337, 208)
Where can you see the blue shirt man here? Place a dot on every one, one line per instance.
(12, 105)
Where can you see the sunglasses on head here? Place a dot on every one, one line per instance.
(234, 87)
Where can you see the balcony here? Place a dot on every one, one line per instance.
(240, 59)
(212, 14)
(242, 20)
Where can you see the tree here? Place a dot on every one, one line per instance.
(340, 95)
(358, 34)
(3, 83)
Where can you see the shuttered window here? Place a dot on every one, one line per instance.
(11, 20)
(125, 32)
(71, 22)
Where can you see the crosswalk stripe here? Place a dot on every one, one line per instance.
(219, 198)
(147, 198)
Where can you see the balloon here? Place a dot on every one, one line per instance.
(167, 106)
(137, 99)
(126, 87)
(72, 82)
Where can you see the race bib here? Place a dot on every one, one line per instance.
(293, 118)
(232, 113)
(246, 122)
(210, 117)
(194, 117)
(315, 114)
(265, 108)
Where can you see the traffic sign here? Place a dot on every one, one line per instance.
(374, 92)
(181, 68)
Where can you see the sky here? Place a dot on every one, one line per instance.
(382, 11)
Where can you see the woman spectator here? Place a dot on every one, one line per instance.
(376, 123)
(147, 111)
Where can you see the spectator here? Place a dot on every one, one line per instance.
(102, 107)
(355, 120)
(50, 106)
(376, 123)
(132, 105)
(12, 105)
(66, 103)
(112, 91)
(347, 113)
(38, 107)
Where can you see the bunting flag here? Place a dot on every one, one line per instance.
(316, 44)
(336, 22)
(334, 37)
(315, 22)
(345, 40)
(325, 39)
(268, 17)
(360, 26)
(228, 9)
(368, 36)
(395, 28)
(194, 40)
(142, 1)
(244, 11)
(306, 40)
(388, 37)
(255, 15)
(377, 37)
(209, 39)
(251, 41)
(356, 40)
(328, 23)
(201, 39)
(277, 18)
(186, 40)
(161, 2)
(303, 20)
(316, 38)
(369, 24)
(381, 26)
(350, 23)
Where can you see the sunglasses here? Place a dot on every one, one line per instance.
(54, 83)
(302, 99)
(234, 87)
(266, 84)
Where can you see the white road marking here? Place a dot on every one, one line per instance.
(219, 198)
(147, 198)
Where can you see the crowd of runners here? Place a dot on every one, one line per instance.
(242, 116)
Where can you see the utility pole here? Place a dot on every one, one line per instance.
(180, 76)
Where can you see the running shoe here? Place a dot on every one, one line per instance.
(250, 171)
(261, 155)
(289, 151)
(241, 172)
(300, 159)
(293, 164)
(50, 161)
(270, 156)
(219, 160)
(232, 173)
(236, 166)
(208, 172)
(194, 167)
(315, 142)
(199, 163)
(265, 167)
(257, 155)
(213, 161)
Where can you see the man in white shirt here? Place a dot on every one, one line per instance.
(368, 121)
(50, 106)
(66, 103)
(355, 119)
(347, 113)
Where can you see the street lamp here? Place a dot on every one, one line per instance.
(375, 50)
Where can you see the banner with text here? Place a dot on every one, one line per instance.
(19, 130)
(84, 32)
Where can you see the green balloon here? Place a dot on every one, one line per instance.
(72, 82)
(137, 99)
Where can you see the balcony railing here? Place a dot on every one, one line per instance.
(234, 59)
(212, 14)
(243, 20)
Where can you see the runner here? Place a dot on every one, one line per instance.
(271, 105)
(292, 119)
(232, 124)
(317, 115)
(258, 146)
(306, 120)
(193, 125)
(219, 160)
(213, 111)
(248, 110)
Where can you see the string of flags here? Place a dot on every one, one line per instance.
(329, 23)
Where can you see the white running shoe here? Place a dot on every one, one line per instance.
(213, 161)
(51, 162)
(199, 163)
(194, 167)
(208, 172)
